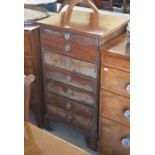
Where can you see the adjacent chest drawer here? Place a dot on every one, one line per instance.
(114, 135)
(28, 67)
(73, 93)
(115, 107)
(73, 65)
(70, 78)
(116, 61)
(106, 150)
(115, 80)
(27, 43)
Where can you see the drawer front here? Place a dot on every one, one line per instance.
(71, 118)
(116, 62)
(70, 49)
(106, 150)
(73, 93)
(28, 67)
(70, 106)
(115, 107)
(114, 135)
(70, 78)
(73, 65)
(53, 34)
(115, 80)
(27, 43)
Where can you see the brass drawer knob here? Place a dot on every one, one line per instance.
(68, 78)
(69, 118)
(127, 114)
(67, 36)
(126, 142)
(68, 106)
(128, 88)
(69, 92)
(67, 48)
(68, 64)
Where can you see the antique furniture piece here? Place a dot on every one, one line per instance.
(104, 4)
(50, 5)
(71, 64)
(114, 113)
(40, 142)
(32, 58)
(126, 6)
(27, 94)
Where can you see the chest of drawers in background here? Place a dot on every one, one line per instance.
(114, 114)
(71, 62)
(33, 65)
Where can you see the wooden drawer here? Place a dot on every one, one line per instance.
(28, 67)
(70, 49)
(70, 92)
(114, 134)
(70, 106)
(53, 34)
(116, 53)
(106, 150)
(70, 78)
(70, 111)
(115, 80)
(115, 61)
(73, 65)
(115, 107)
(71, 118)
(27, 43)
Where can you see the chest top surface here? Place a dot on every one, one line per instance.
(119, 46)
(87, 23)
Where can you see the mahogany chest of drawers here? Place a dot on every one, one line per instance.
(33, 65)
(71, 62)
(114, 113)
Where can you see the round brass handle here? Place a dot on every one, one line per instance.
(128, 88)
(67, 48)
(69, 117)
(67, 36)
(69, 92)
(68, 64)
(126, 142)
(68, 78)
(127, 114)
(68, 106)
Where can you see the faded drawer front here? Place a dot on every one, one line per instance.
(51, 34)
(106, 150)
(28, 67)
(115, 80)
(70, 78)
(73, 65)
(27, 43)
(73, 93)
(114, 134)
(115, 107)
